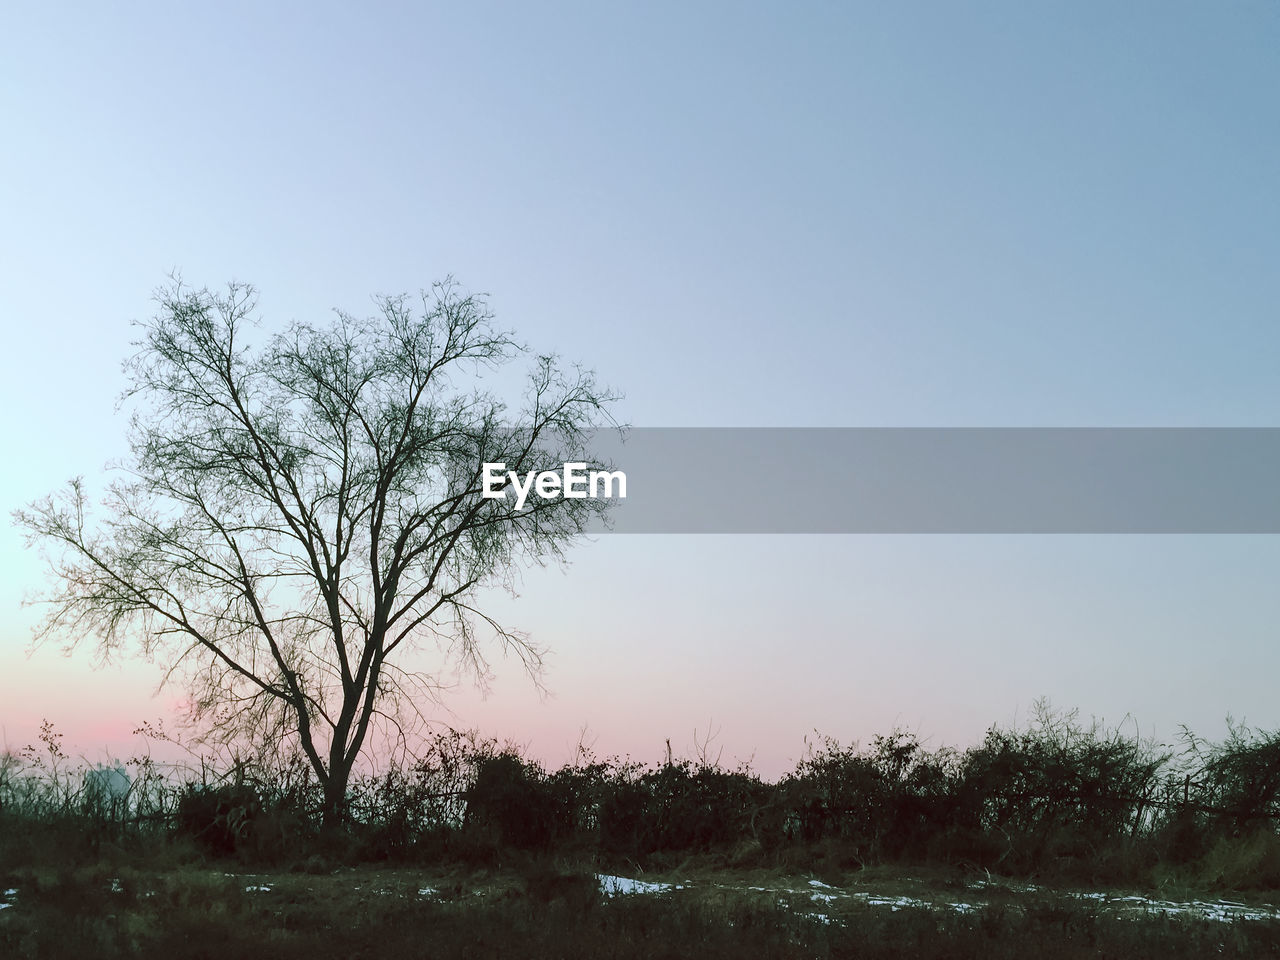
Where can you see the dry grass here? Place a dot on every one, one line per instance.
(549, 911)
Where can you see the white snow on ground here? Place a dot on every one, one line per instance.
(897, 903)
(612, 886)
(1222, 910)
(1209, 910)
(819, 892)
(253, 887)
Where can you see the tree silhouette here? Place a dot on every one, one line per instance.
(296, 519)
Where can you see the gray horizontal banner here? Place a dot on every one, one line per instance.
(944, 480)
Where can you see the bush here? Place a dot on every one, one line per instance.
(510, 805)
(218, 818)
(1057, 800)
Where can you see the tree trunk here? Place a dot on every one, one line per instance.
(334, 815)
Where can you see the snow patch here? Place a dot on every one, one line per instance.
(612, 886)
(1222, 910)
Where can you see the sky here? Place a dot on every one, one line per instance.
(820, 214)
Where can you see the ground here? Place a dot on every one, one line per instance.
(550, 910)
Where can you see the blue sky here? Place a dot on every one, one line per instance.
(924, 214)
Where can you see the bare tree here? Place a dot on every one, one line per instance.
(296, 519)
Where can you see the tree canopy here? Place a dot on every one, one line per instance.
(297, 518)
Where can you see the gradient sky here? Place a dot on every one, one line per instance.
(929, 214)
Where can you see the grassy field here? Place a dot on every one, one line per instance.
(542, 910)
